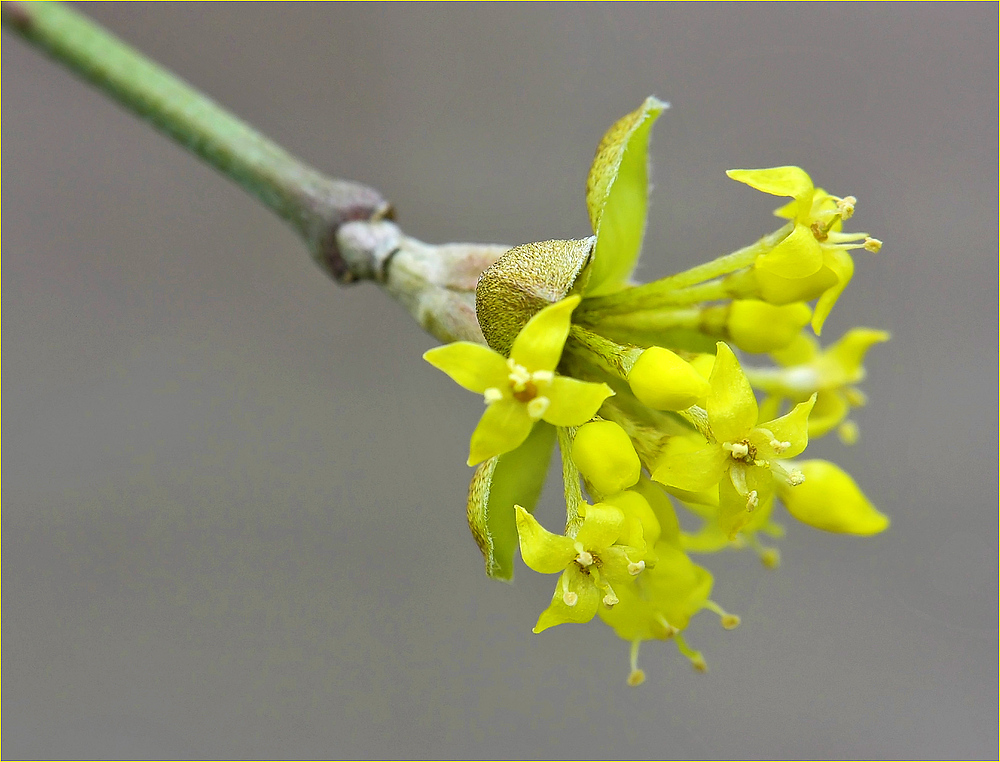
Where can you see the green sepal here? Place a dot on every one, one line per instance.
(514, 477)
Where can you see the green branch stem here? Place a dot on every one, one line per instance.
(312, 203)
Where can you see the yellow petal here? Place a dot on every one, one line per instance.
(756, 326)
(776, 289)
(780, 181)
(616, 197)
(829, 499)
(540, 343)
(573, 402)
(542, 551)
(732, 406)
(505, 425)
(791, 430)
(470, 365)
(585, 604)
(797, 256)
(842, 266)
(601, 526)
(848, 353)
(688, 465)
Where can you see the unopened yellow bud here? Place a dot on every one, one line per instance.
(605, 456)
(664, 381)
(756, 326)
(829, 499)
(632, 504)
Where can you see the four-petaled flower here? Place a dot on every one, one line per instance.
(523, 388)
(741, 455)
(831, 373)
(606, 553)
(813, 260)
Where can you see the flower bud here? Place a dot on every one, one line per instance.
(756, 326)
(605, 456)
(664, 381)
(829, 499)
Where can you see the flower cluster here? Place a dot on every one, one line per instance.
(642, 389)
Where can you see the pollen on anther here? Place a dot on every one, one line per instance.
(738, 450)
(636, 677)
(543, 376)
(795, 478)
(874, 245)
(491, 395)
(779, 447)
(752, 499)
(636, 568)
(570, 598)
(584, 557)
(610, 600)
(537, 407)
(846, 207)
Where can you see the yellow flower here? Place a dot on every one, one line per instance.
(523, 388)
(741, 453)
(594, 564)
(813, 260)
(830, 373)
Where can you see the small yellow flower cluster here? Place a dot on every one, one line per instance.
(651, 408)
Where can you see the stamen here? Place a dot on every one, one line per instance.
(793, 477)
(695, 657)
(610, 599)
(779, 447)
(874, 245)
(739, 450)
(636, 568)
(855, 397)
(846, 207)
(491, 395)
(669, 631)
(848, 432)
(636, 676)
(569, 597)
(583, 557)
(739, 479)
(537, 407)
(752, 500)
(543, 376)
(728, 621)
(518, 376)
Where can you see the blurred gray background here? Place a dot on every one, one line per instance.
(233, 515)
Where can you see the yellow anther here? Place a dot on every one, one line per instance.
(636, 677)
(543, 376)
(779, 447)
(752, 499)
(537, 407)
(570, 598)
(636, 568)
(845, 207)
(795, 478)
(739, 450)
(492, 394)
(873, 245)
(583, 557)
